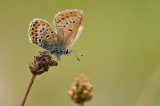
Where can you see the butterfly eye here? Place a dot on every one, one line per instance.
(67, 52)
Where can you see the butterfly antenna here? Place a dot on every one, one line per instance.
(76, 56)
(77, 52)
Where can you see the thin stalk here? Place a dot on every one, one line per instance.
(82, 104)
(29, 87)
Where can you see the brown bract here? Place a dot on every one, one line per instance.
(42, 62)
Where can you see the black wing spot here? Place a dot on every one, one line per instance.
(47, 36)
(70, 30)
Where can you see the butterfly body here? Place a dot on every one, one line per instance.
(57, 42)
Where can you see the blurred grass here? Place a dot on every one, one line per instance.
(120, 43)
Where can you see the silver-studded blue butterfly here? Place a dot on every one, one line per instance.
(57, 42)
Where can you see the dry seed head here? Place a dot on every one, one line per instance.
(42, 62)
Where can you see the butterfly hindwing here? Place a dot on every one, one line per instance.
(76, 37)
(67, 24)
(42, 34)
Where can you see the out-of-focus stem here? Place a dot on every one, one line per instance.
(82, 104)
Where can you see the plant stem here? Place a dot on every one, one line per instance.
(82, 104)
(29, 87)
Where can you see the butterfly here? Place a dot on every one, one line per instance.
(58, 42)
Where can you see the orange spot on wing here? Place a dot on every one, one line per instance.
(34, 31)
(42, 23)
(68, 15)
(35, 40)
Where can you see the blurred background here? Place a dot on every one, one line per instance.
(120, 43)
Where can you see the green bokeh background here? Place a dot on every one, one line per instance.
(120, 43)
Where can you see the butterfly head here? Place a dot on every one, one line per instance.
(59, 52)
(67, 52)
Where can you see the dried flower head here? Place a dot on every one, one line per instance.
(42, 63)
(81, 90)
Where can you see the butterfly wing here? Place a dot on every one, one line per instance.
(67, 24)
(42, 34)
(76, 38)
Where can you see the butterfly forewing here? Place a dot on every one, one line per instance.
(67, 25)
(42, 34)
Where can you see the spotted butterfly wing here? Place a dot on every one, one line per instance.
(42, 34)
(76, 37)
(67, 24)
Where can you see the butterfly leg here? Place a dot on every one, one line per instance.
(58, 59)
